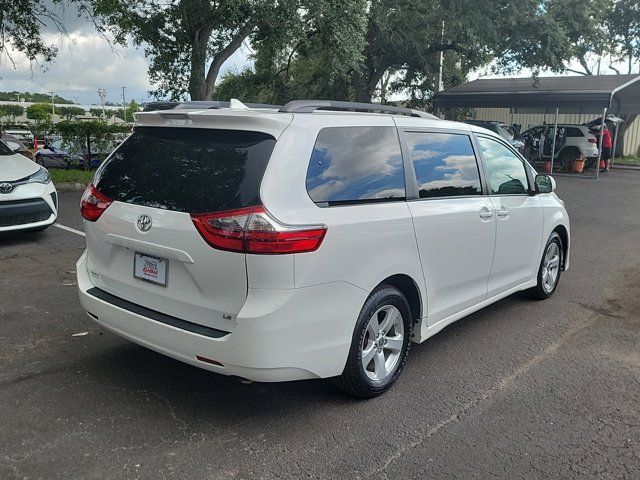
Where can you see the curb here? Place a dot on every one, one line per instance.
(70, 187)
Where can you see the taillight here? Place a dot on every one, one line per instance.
(93, 203)
(254, 230)
(592, 140)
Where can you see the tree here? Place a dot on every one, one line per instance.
(393, 47)
(69, 112)
(39, 112)
(11, 111)
(188, 41)
(21, 24)
(131, 109)
(624, 24)
(89, 136)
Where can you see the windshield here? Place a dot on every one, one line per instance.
(505, 132)
(4, 149)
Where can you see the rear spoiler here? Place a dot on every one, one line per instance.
(263, 121)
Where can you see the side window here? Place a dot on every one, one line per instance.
(507, 175)
(574, 132)
(445, 164)
(356, 164)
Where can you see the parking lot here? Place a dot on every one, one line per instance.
(521, 389)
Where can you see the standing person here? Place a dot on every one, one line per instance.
(607, 145)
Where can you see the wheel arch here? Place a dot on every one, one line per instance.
(564, 236)
(568, 150)
(409, 288)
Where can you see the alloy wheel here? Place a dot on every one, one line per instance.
(551, 267)
(382, 343)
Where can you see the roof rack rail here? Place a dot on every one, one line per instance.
(309, 106)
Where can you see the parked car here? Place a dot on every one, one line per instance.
(28, 198)
(315, 241)
(56, 155)
(20, 131)
(504, 130)
(16, 145)
(52, 155)
(576, 141)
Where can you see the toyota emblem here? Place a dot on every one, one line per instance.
(144, 223)
(6, 187)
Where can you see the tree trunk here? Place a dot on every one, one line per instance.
(364, 83)
(622, 129)
(87, 156)
(197, 80)
(360, 89)
(223, 55)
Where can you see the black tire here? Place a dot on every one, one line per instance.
(540, 292)
(354, 379)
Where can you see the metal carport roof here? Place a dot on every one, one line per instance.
(619, 93)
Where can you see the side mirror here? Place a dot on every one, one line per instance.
(545, 184)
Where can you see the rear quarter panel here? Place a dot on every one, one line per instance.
(364, 243)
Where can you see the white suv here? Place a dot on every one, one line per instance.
(315, 240)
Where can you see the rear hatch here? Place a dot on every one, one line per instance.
(145, 248)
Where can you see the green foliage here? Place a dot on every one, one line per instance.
(623, 23)
(39, 112)
(32, 97)
(21, 24)
(69, 112)
(97, 112)
(188, 41)
(10, 112)
(88, 136)
(131, 109)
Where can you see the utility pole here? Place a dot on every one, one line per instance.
(439, 86)
(53, 108)
(124, 104)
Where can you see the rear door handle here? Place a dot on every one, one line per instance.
(486, 213)
(503, 211)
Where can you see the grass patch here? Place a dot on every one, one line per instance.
(628, 161)
(60, 175)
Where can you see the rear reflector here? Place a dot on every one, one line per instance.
(209, 361)
(93, 203)
(254, 230)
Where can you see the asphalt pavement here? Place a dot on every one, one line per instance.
(521, 389)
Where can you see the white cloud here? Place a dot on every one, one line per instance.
(85, 62)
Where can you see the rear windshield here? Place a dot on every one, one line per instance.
(187, 169)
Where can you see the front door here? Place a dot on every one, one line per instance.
(519, 217)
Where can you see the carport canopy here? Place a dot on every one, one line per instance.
(620, 94)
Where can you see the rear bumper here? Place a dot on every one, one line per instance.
(279, 335)
(28, 206)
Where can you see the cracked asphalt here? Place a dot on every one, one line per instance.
(521, 389)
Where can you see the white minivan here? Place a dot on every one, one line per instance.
(314, 240)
